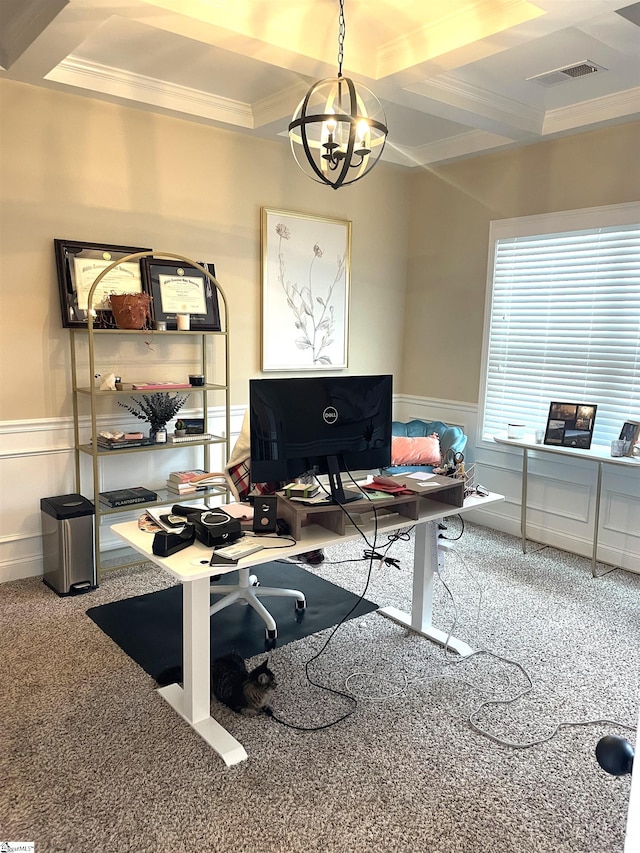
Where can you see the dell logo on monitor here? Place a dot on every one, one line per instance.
(330, 415)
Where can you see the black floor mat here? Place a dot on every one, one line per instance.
(149, 627)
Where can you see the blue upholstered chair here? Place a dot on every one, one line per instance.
(451, 438)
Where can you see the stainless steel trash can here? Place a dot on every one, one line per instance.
(68, 544)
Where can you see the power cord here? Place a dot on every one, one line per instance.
(375, 555)
(454, 538)
(350, 698)
(473, 716)
(261, 537)
(493, 700)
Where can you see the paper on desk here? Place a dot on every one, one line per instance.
(420, 475)
(238, 510)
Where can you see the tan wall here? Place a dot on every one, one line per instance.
(85, 170)
(450, 212)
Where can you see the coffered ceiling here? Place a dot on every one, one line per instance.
(456, 77)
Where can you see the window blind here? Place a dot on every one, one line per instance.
(564, 326)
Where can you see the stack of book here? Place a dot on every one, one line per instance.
(179, 482)
(127, 497)
(189, 482)
(301, 490)
(134, 439)
(159, 386)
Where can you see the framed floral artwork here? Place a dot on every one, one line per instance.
(305, 291)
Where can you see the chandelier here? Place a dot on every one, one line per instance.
(338, 132)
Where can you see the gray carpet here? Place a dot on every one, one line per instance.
(91, 758)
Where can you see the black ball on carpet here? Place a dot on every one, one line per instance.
(615, 755)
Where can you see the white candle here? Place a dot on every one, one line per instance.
(183, 322)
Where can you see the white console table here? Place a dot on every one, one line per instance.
(191, 567)
(599, 455)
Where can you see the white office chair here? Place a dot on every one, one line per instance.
(249, 591)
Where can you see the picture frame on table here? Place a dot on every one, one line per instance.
(78, 264)
(179, 288)
(306, 267)
(570, 425)
(630, 432)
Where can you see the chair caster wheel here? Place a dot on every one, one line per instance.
(253, 581)
(301, 604)
(270, 639)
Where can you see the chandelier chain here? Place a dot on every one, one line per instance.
(341, 33)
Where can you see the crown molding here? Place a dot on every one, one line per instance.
(137, 88)
(606, 108)
(458, 94)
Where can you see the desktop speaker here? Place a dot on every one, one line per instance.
(265, 511)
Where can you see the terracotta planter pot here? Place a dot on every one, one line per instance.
(131, 310)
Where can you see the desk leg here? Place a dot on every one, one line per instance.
(425, 566)
(192, 701)
(596, 522)
(523, 502)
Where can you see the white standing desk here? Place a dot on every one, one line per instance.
(599, 455)
(191, 567)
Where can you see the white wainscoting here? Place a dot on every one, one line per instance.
(37, 461)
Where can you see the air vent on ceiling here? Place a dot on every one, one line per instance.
(569, 72)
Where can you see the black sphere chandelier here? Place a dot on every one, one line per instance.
(338, 132)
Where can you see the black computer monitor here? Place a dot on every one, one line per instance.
(329, 424)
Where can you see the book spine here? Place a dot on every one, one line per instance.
(121, 445)
(126, 502)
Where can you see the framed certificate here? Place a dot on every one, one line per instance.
(178, 288)
(78, 265)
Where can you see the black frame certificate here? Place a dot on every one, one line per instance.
(78, 265)
(178, 288)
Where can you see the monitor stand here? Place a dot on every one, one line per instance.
(338, 493)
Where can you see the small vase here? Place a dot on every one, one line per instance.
(130, 310)
(158, 436)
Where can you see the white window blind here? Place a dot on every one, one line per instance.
(564, 326)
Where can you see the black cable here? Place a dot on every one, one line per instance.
(261, 537)
(269, 711)
(388, 561)
(454, 538)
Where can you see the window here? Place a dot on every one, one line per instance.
(563, 318)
